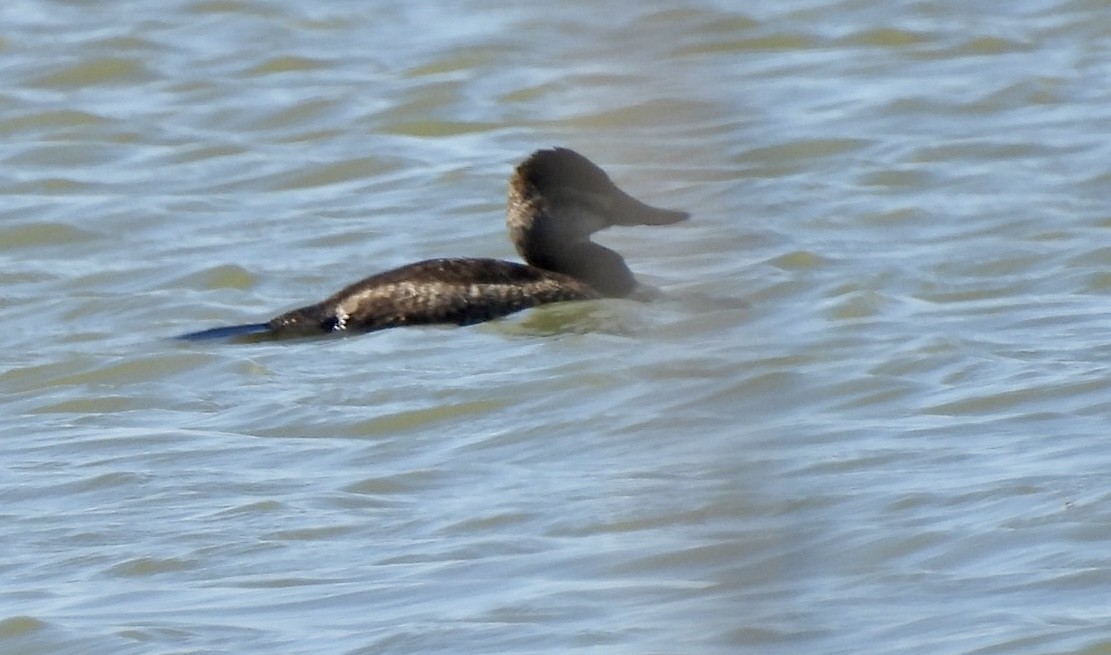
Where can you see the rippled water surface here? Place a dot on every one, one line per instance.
(870, 413)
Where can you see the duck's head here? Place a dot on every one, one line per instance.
(557, 199)
(570, 188)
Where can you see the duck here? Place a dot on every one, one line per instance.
(557, 199)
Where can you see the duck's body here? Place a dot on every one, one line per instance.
(458, 291)
(557, 199)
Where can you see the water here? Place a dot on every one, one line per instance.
(869, 415)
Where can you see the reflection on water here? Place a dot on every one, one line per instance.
(869, 407)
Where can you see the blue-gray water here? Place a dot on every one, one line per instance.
(871, 413)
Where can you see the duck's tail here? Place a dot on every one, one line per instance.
(226, 332)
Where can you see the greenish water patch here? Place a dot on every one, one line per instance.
(39, 235)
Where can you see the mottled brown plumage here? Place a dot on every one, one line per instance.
(458, 291)
(557, 199)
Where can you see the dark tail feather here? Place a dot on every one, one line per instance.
(226, 332)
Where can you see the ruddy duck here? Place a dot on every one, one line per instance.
(557, 199)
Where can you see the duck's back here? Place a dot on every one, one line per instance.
(459, 291)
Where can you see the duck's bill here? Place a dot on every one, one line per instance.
(630, 211)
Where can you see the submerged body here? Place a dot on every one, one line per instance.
(557, 199)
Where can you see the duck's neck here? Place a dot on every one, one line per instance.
(603, 269)
(553, 231)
